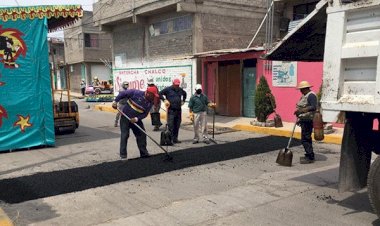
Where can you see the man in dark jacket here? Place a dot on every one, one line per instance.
(174, 97)
(136, 108)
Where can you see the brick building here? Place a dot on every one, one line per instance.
(152, 37)
(86, 50)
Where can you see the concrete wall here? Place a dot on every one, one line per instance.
(138, 45)
(75, 49)
(223, 32)
(128, 39)
(74, 43)
(58, 50)
(172, 44)
(75, 77)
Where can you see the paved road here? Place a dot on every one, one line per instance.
(236, 182)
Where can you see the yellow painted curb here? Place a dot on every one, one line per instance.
(329, 138)
(107, 108)
(4, 219)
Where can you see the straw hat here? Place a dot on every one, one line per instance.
(304, 84)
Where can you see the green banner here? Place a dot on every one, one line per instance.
(26, 111)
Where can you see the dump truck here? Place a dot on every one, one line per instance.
(351, 86)
(345, 35)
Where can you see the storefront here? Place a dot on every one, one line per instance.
(230, 78)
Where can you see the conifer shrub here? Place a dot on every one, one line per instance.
(265, 103)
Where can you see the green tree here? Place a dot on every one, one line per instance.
(264, 101)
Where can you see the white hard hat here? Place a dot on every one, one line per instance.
(150, 80)
(198, 86)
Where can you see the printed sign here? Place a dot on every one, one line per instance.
(162, 77)
(284, 73)
(26, 108)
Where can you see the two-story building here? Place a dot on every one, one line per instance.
(87, 52)
(153, 38)
(57, 61)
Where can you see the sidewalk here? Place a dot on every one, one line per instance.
(244, 124)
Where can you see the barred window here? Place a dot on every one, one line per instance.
(91, 40)
(172, 25)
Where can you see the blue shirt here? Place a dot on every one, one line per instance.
(174, 96)
(136, 105)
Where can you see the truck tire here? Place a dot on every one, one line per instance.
(374, 185)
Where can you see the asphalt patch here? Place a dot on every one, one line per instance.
(47, 184)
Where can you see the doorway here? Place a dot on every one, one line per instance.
(229, 88)
(249, 88)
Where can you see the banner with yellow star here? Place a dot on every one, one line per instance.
(26, 109)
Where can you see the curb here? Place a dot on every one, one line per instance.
(110, 109)
(329, 138)
(104, 108)
(4, 219)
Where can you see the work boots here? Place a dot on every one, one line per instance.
(306, 160)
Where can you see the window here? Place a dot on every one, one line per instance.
(91, 40)
(172, 25)
(301, 11)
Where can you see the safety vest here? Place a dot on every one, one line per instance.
(302, 103)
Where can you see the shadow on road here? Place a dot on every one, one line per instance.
(358, 202)
(20, 189)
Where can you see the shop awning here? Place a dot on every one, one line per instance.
(59, 16)
(306, 41)
(221, 52)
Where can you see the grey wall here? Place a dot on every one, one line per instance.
(223, 32)
(129, 39)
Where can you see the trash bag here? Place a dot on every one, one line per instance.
(277, 121)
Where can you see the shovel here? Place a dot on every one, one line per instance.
(213, 127)
(168, 156)
(285, 156)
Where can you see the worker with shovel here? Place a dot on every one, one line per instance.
(122, 102)
(137, 108)
(306, 108)
(198, 114)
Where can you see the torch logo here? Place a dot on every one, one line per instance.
(11, 46)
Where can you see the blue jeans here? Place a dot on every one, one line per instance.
(125, 125)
